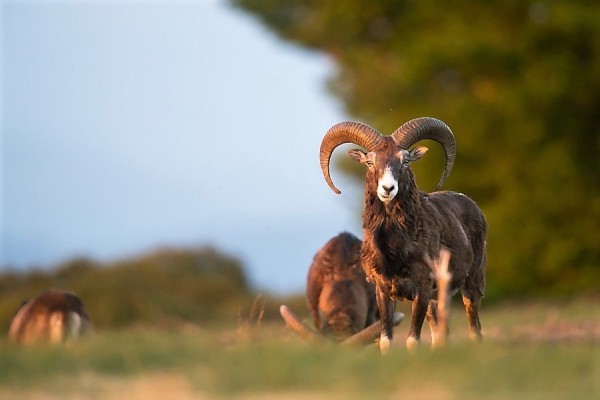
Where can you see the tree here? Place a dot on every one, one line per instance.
(519, 84)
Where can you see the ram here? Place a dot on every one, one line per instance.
(341, 301)
(54, 316)
(406, 229)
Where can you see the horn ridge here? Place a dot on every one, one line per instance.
(371, 332)
(423, 128)
(345, 132)
(294, 323)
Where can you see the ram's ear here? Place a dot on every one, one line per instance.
(417, 153)
(358, 155)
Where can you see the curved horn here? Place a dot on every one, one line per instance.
(371, 332)
(365, 336)
(294, 323)
(345, 132)
(419, 129)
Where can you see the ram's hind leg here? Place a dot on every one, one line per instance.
(472, 307)
(472, 292)
(432, 319)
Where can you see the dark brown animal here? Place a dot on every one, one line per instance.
(54, 316)
(405, 229)
(341, 301)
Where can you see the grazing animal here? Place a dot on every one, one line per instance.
(405, 229)
(54, 316)
(341, 301)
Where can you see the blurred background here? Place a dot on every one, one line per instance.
(171, 147)
(136, 125)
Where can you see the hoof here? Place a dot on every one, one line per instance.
(412, 343)
(384, 344)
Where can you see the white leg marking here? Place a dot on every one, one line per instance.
(384, 344)
(412, 343)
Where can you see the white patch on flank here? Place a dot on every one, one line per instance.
(74, 326)
(56, 327)
(18, 321)
(387, 181)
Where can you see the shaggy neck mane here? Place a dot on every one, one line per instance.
(394, 228)
(402, 213)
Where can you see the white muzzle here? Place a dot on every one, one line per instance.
(387, 187)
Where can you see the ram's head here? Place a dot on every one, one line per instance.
(388, 157)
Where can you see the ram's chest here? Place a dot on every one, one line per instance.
(396, 265)
(398, 248)
(398, 287)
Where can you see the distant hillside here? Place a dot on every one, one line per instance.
(163, 287)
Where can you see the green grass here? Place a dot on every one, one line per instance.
(259, 361)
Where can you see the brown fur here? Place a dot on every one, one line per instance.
(54, 316)
(341, 301)
(403, 239)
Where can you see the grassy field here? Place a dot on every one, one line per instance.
(537, 350)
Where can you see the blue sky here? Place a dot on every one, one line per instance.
(128, 125)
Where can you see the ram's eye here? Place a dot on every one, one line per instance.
(369, 163)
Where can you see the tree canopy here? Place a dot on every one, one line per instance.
(519, 84)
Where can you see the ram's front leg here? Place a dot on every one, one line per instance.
(419, 310)
(386, 307)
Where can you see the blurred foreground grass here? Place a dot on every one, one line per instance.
(532, 351)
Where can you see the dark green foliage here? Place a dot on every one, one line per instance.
(160, 288)
(519, 84)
